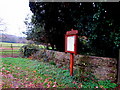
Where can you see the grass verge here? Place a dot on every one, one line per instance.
(24, 73)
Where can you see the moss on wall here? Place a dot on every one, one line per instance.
(103, 68)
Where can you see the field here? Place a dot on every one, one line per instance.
(14, 44)
(10, 49)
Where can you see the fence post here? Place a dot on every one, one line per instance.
(0, 45)
(118, 78)
(12, 49)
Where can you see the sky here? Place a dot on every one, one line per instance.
(13, 14)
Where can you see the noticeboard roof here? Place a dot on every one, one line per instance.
(72, 32)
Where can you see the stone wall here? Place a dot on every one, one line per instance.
(103, 68)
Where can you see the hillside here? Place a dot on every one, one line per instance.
(12, 38)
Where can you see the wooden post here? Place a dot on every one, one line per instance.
(12, 49)
(118, 78)
(71, 63)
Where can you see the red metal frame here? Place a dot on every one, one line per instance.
(75, 44)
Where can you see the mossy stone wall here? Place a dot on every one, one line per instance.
(103, 68)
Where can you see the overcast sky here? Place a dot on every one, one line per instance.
(13, 13)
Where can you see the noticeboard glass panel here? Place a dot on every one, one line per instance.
(70, 43)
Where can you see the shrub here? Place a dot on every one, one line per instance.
(52, 63)
(28, 50)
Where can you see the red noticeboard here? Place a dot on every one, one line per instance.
(71, 41)
(71, 46)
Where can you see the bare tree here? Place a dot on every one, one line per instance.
(2, 26)
(2, 29)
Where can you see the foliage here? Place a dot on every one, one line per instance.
(28, 50)
(52, 63)
(56, 74)
(88, 80)
(98, 29)
(99, 23)
(99, 84)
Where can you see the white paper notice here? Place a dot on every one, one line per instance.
(70, 43)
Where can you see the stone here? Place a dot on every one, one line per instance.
(102, 67)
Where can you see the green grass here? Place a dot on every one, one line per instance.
(32, 73)
(9, 50)
(6, 52)
(37, 72)
(17, 45)
(13, 44)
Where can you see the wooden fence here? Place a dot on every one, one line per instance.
(10, 50)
